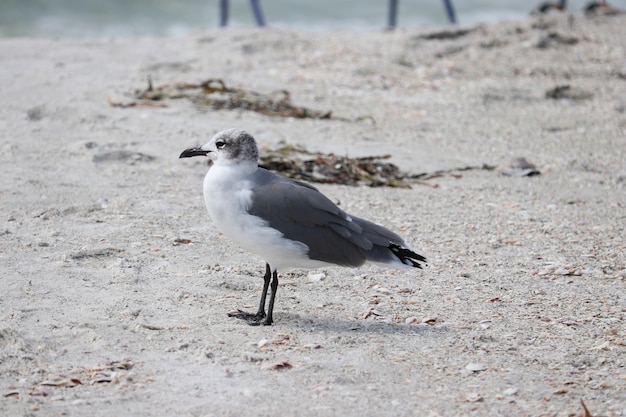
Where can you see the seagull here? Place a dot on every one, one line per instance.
(288, 223)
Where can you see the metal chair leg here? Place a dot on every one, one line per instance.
(258, 13)
(223, 13)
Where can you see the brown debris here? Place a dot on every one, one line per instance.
(182, 241)
(277, 366)
(298, 163)
(554, 39)
(214, 93)
(94, 253)
(142, 103)
(446, 34)
(567, 92)
(112, 372)
(587, 413)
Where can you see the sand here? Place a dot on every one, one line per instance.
(115, 284)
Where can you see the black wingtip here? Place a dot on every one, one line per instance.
(408, 257)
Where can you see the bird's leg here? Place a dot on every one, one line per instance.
(266, 284)
(270, 308)
(255, 319)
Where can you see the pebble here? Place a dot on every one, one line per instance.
(316, 277)
(475, 367)
(473, 397)
(382, 290)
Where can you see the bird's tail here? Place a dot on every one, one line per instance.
(407, 256)
(386, 247)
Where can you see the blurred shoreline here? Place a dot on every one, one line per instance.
(116, 18)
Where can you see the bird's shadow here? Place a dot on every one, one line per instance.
(338, 325)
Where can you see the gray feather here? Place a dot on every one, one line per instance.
(301, 213)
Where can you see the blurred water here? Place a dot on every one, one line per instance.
(117, 18)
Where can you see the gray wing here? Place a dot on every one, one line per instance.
(303, 214)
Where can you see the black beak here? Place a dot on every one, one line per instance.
(188, 153)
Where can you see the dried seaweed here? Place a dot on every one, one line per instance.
(568, 92)
(297, 163)
(214, 93)
(446, 34)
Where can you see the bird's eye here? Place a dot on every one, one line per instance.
(220, 144)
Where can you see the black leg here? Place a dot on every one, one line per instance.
(255, 319)
(269, 319)
(266, 284)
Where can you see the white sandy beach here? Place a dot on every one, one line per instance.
(115, 284)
